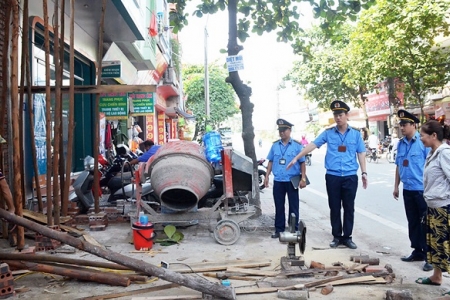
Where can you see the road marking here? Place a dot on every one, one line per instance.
(367, 214)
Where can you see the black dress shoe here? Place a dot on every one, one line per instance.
(350, 244)
(334, 243)
(275, 235)
(412, 257)
(427, 267)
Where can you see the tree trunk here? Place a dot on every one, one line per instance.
(244, 92)
(194, 282)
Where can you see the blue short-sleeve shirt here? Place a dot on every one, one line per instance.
(411, 173)
(279, 152)
(146, 156)
(341, 163)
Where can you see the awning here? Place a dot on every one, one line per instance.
(175, 111)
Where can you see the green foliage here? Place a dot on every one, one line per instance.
(282, 16)
(221, 94)
(314, 128)
(320, 73)
(173, 236)
(397, 38)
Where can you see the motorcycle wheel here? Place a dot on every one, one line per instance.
(261, 179)
(368, 156)
(308, 160)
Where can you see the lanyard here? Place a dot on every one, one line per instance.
(282, 153)
(345, 135)
(410, 146)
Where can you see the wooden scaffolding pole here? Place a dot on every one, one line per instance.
(17, 175)
(21, 102)
(56, 117)
(5, 82)
(31, 106)
(71, 127)
(97, 111)
(63, 198)
(48, 126)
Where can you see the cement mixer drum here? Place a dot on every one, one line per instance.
(180, 174)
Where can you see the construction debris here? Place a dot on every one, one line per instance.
(399, 295)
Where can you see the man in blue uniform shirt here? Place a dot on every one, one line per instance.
(282, 152)
(344, 146)
(150, 149)
(410, 161)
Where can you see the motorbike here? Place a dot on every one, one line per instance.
(308, 159)
(391, 155)
(262, 173)
(115, 180)
(372, 155)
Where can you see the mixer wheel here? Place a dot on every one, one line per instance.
(227, 232)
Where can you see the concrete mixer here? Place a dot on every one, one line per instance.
(181, 175)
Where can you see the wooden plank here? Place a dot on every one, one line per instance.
(362, 279)
(267, 273)
(41, 218)
(93, 89)
(255, 290)
(130, 293)
(169, 297)
(220, 265)
(88, 238)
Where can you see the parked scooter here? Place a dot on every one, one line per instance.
(116, 180)
(262, 173)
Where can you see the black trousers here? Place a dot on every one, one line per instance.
(341, 194)
(280, 189)
(416, 211)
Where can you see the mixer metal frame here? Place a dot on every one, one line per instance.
(223, 219)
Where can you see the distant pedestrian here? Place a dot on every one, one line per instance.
(281, 152)
(150, 150)
(410, 161)
(345, 146)
(304, 141)
(436, 179)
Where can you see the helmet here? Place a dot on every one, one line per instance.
(122, 150)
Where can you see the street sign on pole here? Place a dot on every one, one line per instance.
(235, 63)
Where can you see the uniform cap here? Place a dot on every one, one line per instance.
(406, 117)
(283, 124)
(338, 106)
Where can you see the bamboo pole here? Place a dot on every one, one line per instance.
(71, 127)
(5, 69)
(63, 197)
(15, 123)
(48, 126)
(31, 113)
(194, 282)
(87, 275)
(96, 110)
(56, 117)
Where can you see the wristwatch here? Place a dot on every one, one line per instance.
(363, 173)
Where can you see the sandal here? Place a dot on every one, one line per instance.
(426, 280)
(446, 294)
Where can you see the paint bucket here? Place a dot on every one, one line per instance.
(143, 236)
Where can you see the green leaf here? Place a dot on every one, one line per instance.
(170, 230)
(177, 236)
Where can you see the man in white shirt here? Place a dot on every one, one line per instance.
(373, 141)
(394, 141)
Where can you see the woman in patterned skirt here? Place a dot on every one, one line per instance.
(436, 181)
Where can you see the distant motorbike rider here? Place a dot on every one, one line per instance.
(373, 141)
(150, 150)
